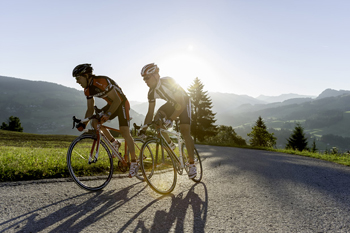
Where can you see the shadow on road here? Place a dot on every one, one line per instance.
(77, 217)
(163, 220)
(96, 206)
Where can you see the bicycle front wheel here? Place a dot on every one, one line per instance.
(197, 162)
(91, 176)
(138, 145)
(158, 168)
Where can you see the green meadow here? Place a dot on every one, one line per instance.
(26, 156)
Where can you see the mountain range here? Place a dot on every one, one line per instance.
(47, 108)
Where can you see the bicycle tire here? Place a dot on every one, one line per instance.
(160, 174)
(94, 176)
(138, 146)
(197, 162)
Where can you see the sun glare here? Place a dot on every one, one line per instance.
(184, 68)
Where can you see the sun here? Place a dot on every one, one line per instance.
(183, 67)
(187, 64)
(190, 48)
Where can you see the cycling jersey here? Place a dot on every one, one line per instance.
(99, 86)
(166, 89)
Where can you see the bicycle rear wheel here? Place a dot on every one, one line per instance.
(197, 162)
(159, 168)
(90, 176)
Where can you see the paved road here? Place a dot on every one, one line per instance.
(242, 191)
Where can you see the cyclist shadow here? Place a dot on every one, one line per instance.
(75, 217)
(164, 221)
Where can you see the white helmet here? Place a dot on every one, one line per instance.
(149, 69)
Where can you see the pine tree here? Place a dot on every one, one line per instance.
(227, 135)
(259, 136)
(14, 124)
(203, 118)
(314, 149)
(297, 141)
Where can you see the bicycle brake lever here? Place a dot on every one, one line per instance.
(74, 121)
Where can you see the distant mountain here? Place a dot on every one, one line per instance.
(332, 93)
(45, 107)
(48, 108)
(281, 98)
(228, 102)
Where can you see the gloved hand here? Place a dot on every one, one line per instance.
(104, 118)
(167, 123)
(81, 126)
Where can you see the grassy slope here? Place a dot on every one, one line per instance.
(25, 156)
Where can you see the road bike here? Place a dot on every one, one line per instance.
(161, 175)
(90, 156)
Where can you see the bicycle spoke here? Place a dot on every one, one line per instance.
(90, 176)
(159, 172)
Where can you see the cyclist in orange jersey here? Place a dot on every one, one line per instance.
(117, 106)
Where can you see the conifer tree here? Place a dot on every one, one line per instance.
(259, 136)
(14, 125)
(203, 118)
(297, 141)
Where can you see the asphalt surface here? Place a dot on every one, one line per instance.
(242, 191)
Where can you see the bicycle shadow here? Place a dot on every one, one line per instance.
(163, 221)
(75, 217)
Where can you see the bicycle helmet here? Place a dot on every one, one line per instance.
(149, 69)
(82, 69)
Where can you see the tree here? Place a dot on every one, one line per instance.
(203, 118)
(259, 136)
(14, 124)
(297, 141)
(227, 135)
(314, 149)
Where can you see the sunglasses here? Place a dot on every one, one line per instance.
(78, 77)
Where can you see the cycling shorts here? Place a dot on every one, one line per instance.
(122, 113)
(185, 117)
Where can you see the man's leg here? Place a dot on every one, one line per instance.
(103, 129)
(158, 115)
(186, 134)
(125, 131)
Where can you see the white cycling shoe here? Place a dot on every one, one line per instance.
(192, 171)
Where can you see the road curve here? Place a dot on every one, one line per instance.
(242, 191)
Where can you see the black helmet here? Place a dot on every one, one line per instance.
(82, 69)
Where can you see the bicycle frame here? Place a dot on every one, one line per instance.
(180, 141)
(100, 136)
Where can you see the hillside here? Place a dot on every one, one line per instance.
(45, 108)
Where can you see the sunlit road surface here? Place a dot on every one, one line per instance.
(242, 191)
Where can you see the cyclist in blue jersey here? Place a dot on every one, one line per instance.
(178, 105)
(117, 106)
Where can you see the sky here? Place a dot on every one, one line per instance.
(245, 47)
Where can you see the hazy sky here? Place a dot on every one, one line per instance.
(250, 47)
